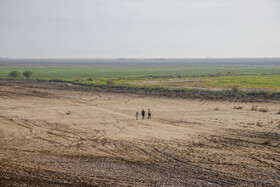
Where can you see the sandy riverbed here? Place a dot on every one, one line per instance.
(52, 134)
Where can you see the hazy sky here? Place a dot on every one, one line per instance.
(139, 28)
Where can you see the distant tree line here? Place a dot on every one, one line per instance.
(16, 74)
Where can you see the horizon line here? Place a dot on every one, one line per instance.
(132, 58)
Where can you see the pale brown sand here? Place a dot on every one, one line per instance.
(50, 135)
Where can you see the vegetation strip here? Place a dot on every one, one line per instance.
(224, 95)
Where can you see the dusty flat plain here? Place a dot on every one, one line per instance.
(54, 134)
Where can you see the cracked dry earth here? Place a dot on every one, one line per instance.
(52, 134)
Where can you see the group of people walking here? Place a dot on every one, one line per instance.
(143, 114)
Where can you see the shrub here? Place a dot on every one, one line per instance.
(78, 79)
(230, 73)
(268, 142)
(259, 124)
(235, 89)
(238, 107)
(110, 82)
(263, 110)
(27, 74)
(254, 108)
(218, 74)
(14, 74)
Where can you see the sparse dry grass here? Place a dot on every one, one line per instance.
(238, 107)
(254, 107)
(263, 110)
(268, 142)
(259, 124)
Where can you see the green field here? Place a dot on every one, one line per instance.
(166, 75)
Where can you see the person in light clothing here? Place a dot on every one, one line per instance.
(137, 115)
(149, 114)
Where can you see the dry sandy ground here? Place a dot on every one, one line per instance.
(57, 135)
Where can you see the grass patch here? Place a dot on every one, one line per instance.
(263, 77)
(225, 81)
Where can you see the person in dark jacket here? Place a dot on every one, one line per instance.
(143, 114)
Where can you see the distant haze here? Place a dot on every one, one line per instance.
(139, 28)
